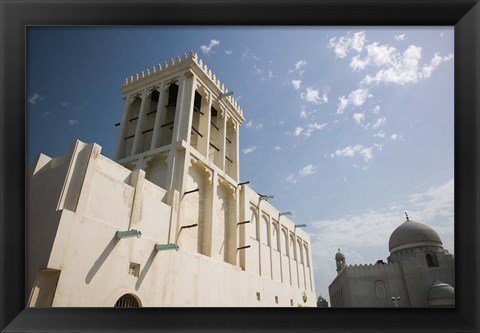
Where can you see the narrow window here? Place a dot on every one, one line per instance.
(431, 260)
(134, 269)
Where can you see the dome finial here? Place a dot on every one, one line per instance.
(407, 216)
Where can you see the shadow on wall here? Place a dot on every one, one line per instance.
(144, 272)
(103, 257)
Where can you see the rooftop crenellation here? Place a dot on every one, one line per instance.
(157, 69)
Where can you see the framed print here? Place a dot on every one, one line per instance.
(168, 209)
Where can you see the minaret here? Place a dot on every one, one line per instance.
(340, 260)
(180, 125)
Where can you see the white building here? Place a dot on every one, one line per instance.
(418, 273)
(200, 237)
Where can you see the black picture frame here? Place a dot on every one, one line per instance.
(16, 15)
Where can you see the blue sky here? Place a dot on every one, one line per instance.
(347, 127)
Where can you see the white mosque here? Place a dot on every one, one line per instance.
(418, 273)
(168, 223)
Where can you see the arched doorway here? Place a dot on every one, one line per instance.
(127, 301)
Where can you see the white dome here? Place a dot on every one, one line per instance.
(441, 294)
(413, 234)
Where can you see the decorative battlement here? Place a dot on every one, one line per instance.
(378, 267)
(193, 57)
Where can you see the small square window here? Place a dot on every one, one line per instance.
(134, 269)
(258, 296)
(276, 299)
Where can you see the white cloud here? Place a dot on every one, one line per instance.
(376, 109)
(395, 137)
(352, 151)
(312, 95)
(400, 37)
(248, 150)
(46, 114)
(35, 98)
(358, 64)
(299, 66)
(436, 60)
(208, 49)
(296, 84)
(228, 52)
(380, 122)
(72, 122)
(348, 151)
(248, 54)
(317, 126)
(304, 114)
(292, 179)
(359, 118)
(343, 45)
(404, 68)
(298, 131)
(324, 98)
(313, 127)
(265, 74)
(65, 104)
(342, 104)
(308, 170)
(367, 154)
(277, 148)
(379, 135)
(356, 97)
(253, 125)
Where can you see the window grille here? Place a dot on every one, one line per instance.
(127, 301)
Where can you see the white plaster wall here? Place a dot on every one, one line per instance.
(193, 210)
(219, 221)
(94, 264)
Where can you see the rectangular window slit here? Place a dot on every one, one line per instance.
(134, 269)
(196, 109)
(196, 131)
(134, 118)
(212, 145)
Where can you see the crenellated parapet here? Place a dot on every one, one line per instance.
(191, 57)
(373, 267)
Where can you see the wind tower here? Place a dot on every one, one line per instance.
(180, 125)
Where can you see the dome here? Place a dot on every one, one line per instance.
(413, 234)
(339, 255)
(441, 294)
